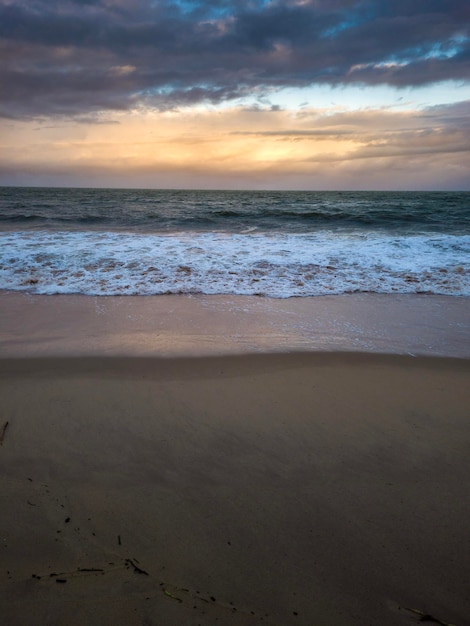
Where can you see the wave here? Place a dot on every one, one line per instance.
(277, 265)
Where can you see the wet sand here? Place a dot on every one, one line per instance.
(182, 325)
(282, 488)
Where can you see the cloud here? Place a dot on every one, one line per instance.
(310, 149)
(81, 57)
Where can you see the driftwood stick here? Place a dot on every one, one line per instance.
(137, 569)
(2, 434)
(426, 617)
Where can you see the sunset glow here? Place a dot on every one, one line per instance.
(235, 95)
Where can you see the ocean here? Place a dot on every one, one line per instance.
(277, 244)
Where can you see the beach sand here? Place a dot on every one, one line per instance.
(261, 486)
(182, 325)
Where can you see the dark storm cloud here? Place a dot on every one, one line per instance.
(75, 57)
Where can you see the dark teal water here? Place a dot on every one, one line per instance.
(232, 211)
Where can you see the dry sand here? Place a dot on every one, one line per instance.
(309, 488)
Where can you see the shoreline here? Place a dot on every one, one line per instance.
(184, 325)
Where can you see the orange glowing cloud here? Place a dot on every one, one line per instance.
(242, 147)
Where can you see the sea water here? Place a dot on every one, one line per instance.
(277, 244)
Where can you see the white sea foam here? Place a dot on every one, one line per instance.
(277, 265)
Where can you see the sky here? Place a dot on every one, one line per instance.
(236, 94)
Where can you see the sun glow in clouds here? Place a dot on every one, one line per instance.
(259, 146)
(280, 94)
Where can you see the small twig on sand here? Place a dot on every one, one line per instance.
(171, 595)
(2, 434)
(426, 617)
(137, 569)
(90, 569)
